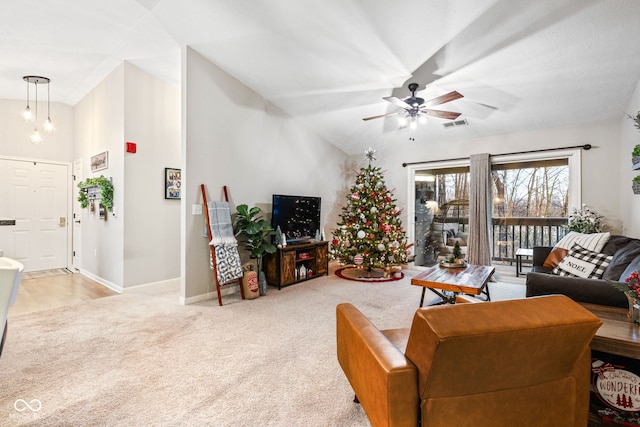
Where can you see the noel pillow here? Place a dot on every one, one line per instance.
(581, 262)
(593, 242)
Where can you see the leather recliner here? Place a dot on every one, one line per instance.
(508, 363)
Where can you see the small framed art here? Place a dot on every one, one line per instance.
(100, 161)
(172, 183)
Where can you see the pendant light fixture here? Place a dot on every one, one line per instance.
(35, 137)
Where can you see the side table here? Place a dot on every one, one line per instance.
(522, 253)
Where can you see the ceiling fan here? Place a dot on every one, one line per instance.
(415, 108)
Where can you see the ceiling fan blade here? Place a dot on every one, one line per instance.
(397, 101)
(381, 115)
(447, 97)
(441, 114)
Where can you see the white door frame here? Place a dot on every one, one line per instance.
(76, 240)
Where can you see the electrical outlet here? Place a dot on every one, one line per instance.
(196, 209)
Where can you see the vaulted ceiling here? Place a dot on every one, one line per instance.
(519, 64)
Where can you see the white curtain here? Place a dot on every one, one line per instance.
(479, 245)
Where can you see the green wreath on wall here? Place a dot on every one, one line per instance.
(106, 191)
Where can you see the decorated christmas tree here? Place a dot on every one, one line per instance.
(370, 232)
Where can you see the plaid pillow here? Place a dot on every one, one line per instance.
(581, 262)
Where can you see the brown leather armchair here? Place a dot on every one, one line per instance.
(506, 363)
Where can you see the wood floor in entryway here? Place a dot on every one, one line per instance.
(50, 289)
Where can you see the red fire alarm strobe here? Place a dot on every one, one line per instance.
(131, 147)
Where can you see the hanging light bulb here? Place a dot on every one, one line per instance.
(35, 137)
(26, 114)
(402, 121)
(48, 124)
(422, 119)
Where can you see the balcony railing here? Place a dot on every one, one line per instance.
(512, 233)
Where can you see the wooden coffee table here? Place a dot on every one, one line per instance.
(470, 280)
(617, 335)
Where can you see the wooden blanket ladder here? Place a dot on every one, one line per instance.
(213, 249)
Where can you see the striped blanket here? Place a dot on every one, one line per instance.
(224, 242)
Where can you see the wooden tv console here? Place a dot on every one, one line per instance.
(281, 268)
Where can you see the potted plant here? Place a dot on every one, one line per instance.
(585, 220)
(635, 154)
(250, 224)
(106, 191)
(636, 184)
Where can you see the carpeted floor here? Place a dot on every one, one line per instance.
(142, 359)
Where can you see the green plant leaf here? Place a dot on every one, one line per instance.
(106, 191)
(243, 210)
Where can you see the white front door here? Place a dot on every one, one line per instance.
(35, 195)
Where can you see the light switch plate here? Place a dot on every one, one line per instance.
(196, 209)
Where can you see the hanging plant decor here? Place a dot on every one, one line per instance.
(635, 155)
(635, 184)
(106, 191)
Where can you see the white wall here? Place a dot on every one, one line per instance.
(599, 188)
(630, 136)
(15, 132)
(100, 127)
(233, 137)
(151, 223)
(140, 242)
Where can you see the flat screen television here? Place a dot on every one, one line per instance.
(297, 216)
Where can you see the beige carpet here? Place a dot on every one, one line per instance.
(142, 359)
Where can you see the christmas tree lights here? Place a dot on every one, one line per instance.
(370, 232)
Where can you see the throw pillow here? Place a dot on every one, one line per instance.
(634, 265)
(581, 262)
(555, 256)
(593, 242)
(464, 236)
(622, 256)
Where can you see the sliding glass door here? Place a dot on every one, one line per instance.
(441, 203)
(531, 197)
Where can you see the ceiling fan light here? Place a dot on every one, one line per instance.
(422, 119)
(413, 124)
(402, 121)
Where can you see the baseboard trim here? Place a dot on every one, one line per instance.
(172, 282)
(209, 295)
(116, 288)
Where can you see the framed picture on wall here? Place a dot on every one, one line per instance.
(172, 183)
(100, 161)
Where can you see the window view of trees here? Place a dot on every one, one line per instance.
(533, 189)
(523, 189)
(529, 206)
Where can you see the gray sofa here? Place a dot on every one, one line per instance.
(626, 258)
